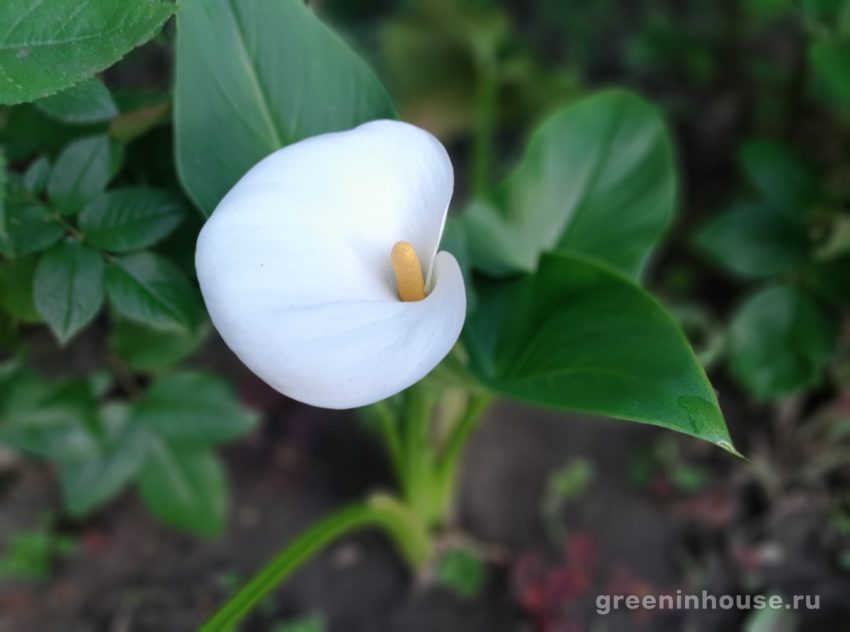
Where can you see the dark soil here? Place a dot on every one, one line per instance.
(131, 573)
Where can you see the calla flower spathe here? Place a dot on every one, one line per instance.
(294, 265)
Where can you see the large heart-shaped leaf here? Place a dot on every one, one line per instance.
(581, 336)
(48, 46)
(597, 178)
(261, 75)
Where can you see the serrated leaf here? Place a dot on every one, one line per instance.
(262, 75)
(580, 336)
(194, 408)
(49, 46)
(185, 488)
(87, 102)
(597, 178)
(31, 228)
(68, 287)
(148, 289)
(129, 219)
(82, 170)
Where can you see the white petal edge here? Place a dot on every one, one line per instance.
(294, 265)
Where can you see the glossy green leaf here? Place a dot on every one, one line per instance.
(49, 46)
(91, 481)
(597, 178)
(185, 488)
(194, 408)
(82, 170)
(755, 241)
(31, 228)
(579, 335)
(780, 341)
(87, 102)
(782, 177)
(36, 175)
(261, 75)
(129, 219)
(145, 349)
(68, 287)
(149, 289)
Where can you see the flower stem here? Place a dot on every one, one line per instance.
(382, 511)
(482, 133)
(419, 404)
(448, 460)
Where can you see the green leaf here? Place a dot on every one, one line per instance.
(49, 46)
(68, 288)
(462, 572)
(91, 481)
(756, 241)
(780, 341)
(829, 57)
(194, 408)
(145, 349)
(262, 75)
(580, 336)
(597, 178)
(185, 488)
(16, 281)
(82, 170)
(149, 289)
(47, 419)
(129, 219)
(31, 228)
(86, 102)
(36, 175)
(785, 180)
(312, 623)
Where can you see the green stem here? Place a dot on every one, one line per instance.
(381, 511)
(448, 460)
(388, 428)
(485, 118)
(419, 402)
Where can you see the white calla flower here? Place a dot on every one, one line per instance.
(294, 265)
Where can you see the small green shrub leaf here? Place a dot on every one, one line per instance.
(49, 46)
(68, 287)
(129, 219)
(149, 289)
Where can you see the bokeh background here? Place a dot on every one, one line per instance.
(556, 508)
